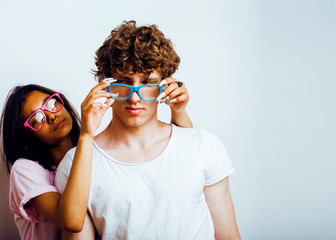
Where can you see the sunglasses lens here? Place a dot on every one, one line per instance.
(120, 92)
(36, 121)
(54, 104)
(150, 92)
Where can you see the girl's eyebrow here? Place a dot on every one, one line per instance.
(44, 100)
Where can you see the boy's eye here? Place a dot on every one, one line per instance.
(149, 82)
(122, 82)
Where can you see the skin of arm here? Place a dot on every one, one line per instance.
(88, 232)
(219, 201)
(180, 98)
(69, 210)
(181, 119)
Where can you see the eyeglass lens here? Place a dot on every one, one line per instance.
(147, 92)
(53, 104)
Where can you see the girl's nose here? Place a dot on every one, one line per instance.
(50, 116)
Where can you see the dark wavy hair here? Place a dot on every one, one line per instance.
(16, 142)
(131, 49)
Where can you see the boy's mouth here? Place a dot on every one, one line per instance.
(134, 110)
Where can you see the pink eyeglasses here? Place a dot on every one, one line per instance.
(38, 119)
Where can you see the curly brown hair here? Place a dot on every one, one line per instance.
(131, 49)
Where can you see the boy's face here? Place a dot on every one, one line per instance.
(135, 112)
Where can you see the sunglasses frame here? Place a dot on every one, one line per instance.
(135, 89)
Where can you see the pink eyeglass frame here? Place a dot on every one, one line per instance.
(41, 109)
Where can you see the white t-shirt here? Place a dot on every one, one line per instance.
(160, 199)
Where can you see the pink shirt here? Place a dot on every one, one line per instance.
(28, 179)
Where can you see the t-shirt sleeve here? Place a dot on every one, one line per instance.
(63, 172)
(28, 180)
(218, 164)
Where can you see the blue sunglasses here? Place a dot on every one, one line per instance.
(122, 92)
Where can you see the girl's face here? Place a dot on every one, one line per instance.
(58, 125)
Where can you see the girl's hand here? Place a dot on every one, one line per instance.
(175, 94)
(93, 112)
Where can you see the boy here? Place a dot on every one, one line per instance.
(152, 180)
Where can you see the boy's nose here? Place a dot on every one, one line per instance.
(134, 97)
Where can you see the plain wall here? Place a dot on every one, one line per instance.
(261, 76)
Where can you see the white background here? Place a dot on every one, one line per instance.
(261, 76)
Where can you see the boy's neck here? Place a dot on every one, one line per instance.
(118, 133)
(135, 144)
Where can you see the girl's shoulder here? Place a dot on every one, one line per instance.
(27, 166)
(27, 175)
(24, 162)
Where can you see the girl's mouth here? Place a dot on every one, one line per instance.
(59, 125)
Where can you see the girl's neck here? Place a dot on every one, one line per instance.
(58, 151)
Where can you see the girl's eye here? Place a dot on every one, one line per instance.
(34, 124)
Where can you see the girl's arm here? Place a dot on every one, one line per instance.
(177, 97)
(181, 119)
(88, 232)
(68, 211)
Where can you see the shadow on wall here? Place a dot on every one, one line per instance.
(8, 230)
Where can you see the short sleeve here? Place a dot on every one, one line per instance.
(218, 164)
(28, 180)
(63, 171)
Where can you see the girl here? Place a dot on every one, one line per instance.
(38, 126)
